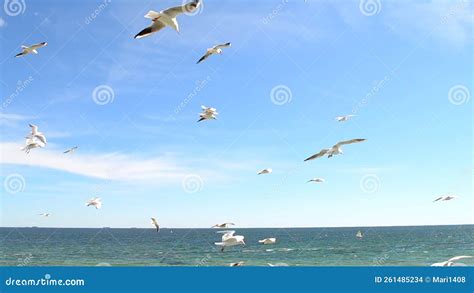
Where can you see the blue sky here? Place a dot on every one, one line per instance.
(394, 67)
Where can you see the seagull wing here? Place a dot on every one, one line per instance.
(153, 28)
(208, 53)
(356, 140)
(318, 155)
(189, 7)
(41, 137)
(456, 258)
(220, 46)
(34, 129)
(36, 46)
(439, 198)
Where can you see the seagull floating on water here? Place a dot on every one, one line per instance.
(446, 198)
(155, 223)
(166, 17)
(236, 264)
(223, 225)
(317, 180)
(229, 239)
(95, 202)
(217, 49)
(344, 118)
(335, 149)
(452, 262)
(265, 171)
(268, 241)
(31, 49)
(71, 150)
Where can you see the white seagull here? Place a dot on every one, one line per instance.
(335, 149)
(32, 143)
(166, 17)
(280, 264)
(71, 150)
(446, 198)
(155, 223)
(207, 113)
(96, 202)
(223, 225)
(217, 49)
(45, 214)
(317, 180)
(229, 239)
(268, 241)
(31, 49)
(344, 118)
(265, 171)
(36, 134)
(452, 262)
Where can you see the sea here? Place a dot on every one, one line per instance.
(379, 246)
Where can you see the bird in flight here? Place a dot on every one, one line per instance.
(95, 202)
(217, 49)
(344, 118)
(155, 223)
(71, 150)
(446, 198)
(265, 171)
(31, 49)
(335, 149)
(223, 225)
(166, 17)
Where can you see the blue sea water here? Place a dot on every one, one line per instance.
(380, 246)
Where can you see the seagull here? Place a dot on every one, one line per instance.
(36, 134)
(281, 264)
(155, 223)
(236, 264)
(265, 171)
(223, 225)
(31, 143)
(229, 239)
(207, 113)
(71, 150)
(446, 198)
(317, 180)
(268, 241)
(452, 262)
(344, 118)
(31, 49)
(96, 202)
(166, 17)
(45, 214)
(217, 49)
(335, 149)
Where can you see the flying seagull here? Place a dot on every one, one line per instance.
(268, 241)
(229, 239)
(452, 261)
(71, 150)
(96, 202)
(265, 171)
(45, 214)
(223, 225)
(32, 143)
(207, 113)
(446, 198)
(335, 149)
(236, 264)
(31, 49)
(166, 17)
(344, 118)
(317, 180)
(155, 223)
(36, 134)
(217, 49)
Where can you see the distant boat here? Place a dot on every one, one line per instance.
(359, 234)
